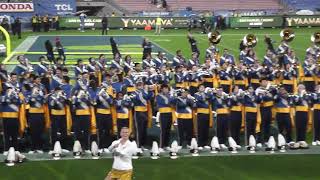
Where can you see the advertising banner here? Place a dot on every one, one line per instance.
(256, 21)
(16, 7)
(55, 7)
(303, 20)
(124, 22)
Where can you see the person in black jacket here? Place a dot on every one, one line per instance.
(49, 48)
(104, 25)
(147, 48)
(114, 46)
(193, 44)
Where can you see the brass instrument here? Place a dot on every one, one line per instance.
(214, 37)
(250, 40)
(315, 38)
(287, 35)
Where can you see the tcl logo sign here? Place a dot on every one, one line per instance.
(16, 7)
(63, 7)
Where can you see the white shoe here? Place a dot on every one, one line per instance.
(188, 147)
(200, 148)
(314, 143)
(31, 152)
(167, 148)
(179, 147)
(39, 151)
(207, 147)
(161, 150)
(139, 150)
(291, 143)
(238, 146)
(106, 150)
(65, 151)
(144, 149)
(100, 151)
(50, 152)
(5, 153)
(259, 145)
(223, 146)
(87, 151)
(318, 143)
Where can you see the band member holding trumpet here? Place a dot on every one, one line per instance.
(57, 102)
(316, 116)
(184, 103)
(10, 103)
(236, 115)
(36, 119)
(164, 104)
(104, 102)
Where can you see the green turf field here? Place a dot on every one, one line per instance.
(186, 168)
(171, 40)
(277, 167)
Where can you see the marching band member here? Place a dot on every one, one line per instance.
(194, 61)
(179, 78)
(219, 105)
(266, 94)
(301, 102)
(42, 68)
(36, 119)
(236, 114)
(159, 60)
(283, 114)
(81, 106)
(3, 77)
(128, 65)
(289, 81)
(193, 44)
(184, 103)
(116, 63)
(60, 123)
(250, 58)
(227, 58)
(129, 82)
(83, 82)
(179, 60)
(148, 63)
(225, 79)
(79, 68)
(254, 74)
(56, 79)
(124, 116)
(239, 75)
(309, 67)
(164, 103)
(10, 103)
(142, 109)
(204, 115)
(104, 119)
(316, 116)
(194, 80)
(252, 112)
(23, 67)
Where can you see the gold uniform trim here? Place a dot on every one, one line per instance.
(251, 109)
(81, 112)
(140, 108)
(10, 115)
(58, 112)
(184, 115)
(222, 111)
(165, 110)
(36, 110)
(103, 111)
(267, 104)
(302, 108)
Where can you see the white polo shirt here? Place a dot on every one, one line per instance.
(124, 160)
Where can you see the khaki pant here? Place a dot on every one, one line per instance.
(158, 29)
(119, 175)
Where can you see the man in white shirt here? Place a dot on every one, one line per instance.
(122, 151)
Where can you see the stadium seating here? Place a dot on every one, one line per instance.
(200, 5)
(303, 4)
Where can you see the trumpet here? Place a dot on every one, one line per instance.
(250, 40)
(214, 37)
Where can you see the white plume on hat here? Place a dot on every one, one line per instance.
(77, 150)
(232, 144)
(174, 149)
(281, 143)
(252, 144)
(215, 146)
(57, 150)
(95, 150)
(155, 150)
